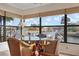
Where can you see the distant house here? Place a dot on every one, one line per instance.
(34, 24)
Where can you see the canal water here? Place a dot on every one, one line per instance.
(73, 39)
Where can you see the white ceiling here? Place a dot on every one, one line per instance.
(31, 8)
(26, 6)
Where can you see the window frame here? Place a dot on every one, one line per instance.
(65, 27)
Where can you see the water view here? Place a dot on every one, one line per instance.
(50, 26)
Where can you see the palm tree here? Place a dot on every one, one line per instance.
(9, 19)
(62, 20)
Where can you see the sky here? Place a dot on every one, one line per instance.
(49, 20)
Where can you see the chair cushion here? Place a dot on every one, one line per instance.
(26, 52)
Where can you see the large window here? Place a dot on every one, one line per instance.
(12, 21)
(73, 19)
(1, 20)
(53, 32)
(73, 28)
(52, 20)
(30, 33)
(53, 27)
(32, 22)
(1, 29)
(47, 27)
(31, 29)
(73, 34)
(13, 32)
(13, 28)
